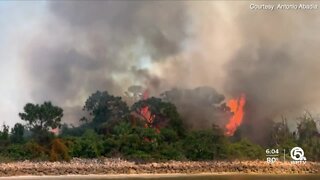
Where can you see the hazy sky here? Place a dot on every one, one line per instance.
(18, 19)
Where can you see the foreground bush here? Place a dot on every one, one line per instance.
(87, 146)
(245, 150)
(205, 145)
(59, 151)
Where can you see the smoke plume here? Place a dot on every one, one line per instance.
(107, 45)
(276, 67)
(271, 56)
(200, 108)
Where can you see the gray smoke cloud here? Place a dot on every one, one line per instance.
(106, 45)
(200, 108)
(277, 67)
(272, 57)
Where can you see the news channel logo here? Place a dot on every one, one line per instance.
(297, 155)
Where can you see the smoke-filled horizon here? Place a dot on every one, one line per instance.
(81, 47)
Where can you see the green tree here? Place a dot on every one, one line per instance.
(105, 108)
(17, 133)
(4, 134)
(165, 114)
(40, 118)
(309, 137)
(4, 137)
(281, 137)
(307, 127)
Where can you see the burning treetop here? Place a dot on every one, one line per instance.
(237, 108)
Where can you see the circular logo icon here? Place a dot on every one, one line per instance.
(297, 154)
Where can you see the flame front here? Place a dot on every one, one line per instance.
(146, 114)
(237, 108)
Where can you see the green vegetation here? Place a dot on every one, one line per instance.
(309, 138)
(205, 144)
(149, 130)
(40, 118)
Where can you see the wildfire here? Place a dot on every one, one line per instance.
(146, 114)
(145, 111)
(237, 108)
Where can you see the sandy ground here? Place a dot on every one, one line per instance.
(121, 169)
(154, 176)
(69, 177)
(110, 176)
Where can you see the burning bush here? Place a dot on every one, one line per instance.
(163, 114)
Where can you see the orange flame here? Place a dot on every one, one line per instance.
(146, 114)
(236, 106)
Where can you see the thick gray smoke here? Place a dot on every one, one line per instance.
(272, 57)
(277, 67)
(200, 108)
(106, 45)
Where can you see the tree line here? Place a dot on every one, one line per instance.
(155, 133)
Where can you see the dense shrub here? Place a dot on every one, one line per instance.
(311, 148)
(171, 151)
(133, 142)
(87, 146)
(36, 151)
(205, 145)
(244, 149)
(59, 151)
(17, 152)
